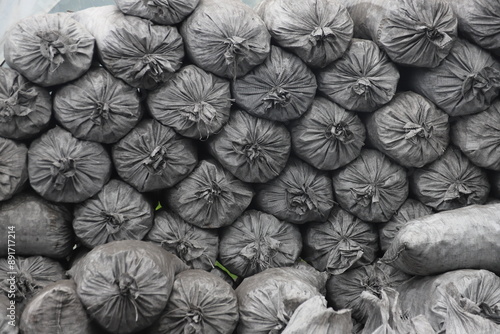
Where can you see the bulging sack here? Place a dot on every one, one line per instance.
(267, 300)
(340, 243)
(225, 37)
(410, 210)
(345, 290)
(164, 12)
(117, 212)
(298, 195)
(475, 300)
(200, 303)
(409, 129)
(97, 107)
(26, 108)
(280, 89)
(63, 168)
(412, 33)
(252, 149)
(327, 136)
(197, 247)
(56, 309)
(363, 79)
(13, 168)
(478, 137)
(139, 52)
(210, 197)
(8, 321)
(450, 182)
(41, 227)
(469, 80)
(125, 285)
(372, 187)
(318, 31)
(49, 49)
(153, 156)
(463, 238)
(194, 103)
(257, 241)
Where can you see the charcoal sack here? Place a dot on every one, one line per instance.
(13, 168)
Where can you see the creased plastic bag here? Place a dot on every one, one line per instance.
(280, 89)
(252, 149)
(299, 194)
(49, 49)
(409, 129)
(340, 243)
(197, 247)
(450, 182)
(63, 168)
(363, 79)
(25, 108)
(327, 136)
(200, 303)
(136, 50)
(97, 107)
(225, 37)
(194, 103)
(257, 241)
(13, 167)
(210, 197)
(318, 31)
(164, 12)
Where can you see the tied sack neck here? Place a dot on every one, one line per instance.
(19, 104)
(56, 48)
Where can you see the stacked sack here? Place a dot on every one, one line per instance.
(199, 166)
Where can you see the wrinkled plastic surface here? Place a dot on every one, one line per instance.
(166, 12)
(13, 168)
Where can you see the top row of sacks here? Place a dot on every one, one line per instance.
(228, 38)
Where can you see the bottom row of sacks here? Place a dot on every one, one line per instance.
(138, 287)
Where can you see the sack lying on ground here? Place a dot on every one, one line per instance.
(476, 295)
(478, 136)
(26, 108)
(450, 182)
(340, 243)
(363, 79)
(313, 316)
(469, 77)
(280, 89)
(478, 21)
(257, 241)
(210, 197)
(410, 210)
(41, 227)
(298, 195)
(194, 103)
(409, 129)
(267, 300)
(13, 167)
(318, 31)
(49, 49)
(56, 309)
(197, 247)
(117, 212)
(125, 285)
(371, 187)
(97, 107)
(22, 278)
(63, 168)
(225, 37)
(159, 11)
(344, 290)
(457, 239)
(411, 33)
(200, 303)
(327, 136)
(139, 52)
(153, 156)
(252, 149)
